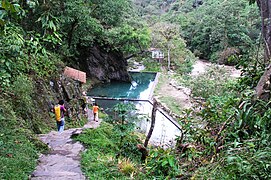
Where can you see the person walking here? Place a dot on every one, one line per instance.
(84, 103)
(95, 109)
(59, 111)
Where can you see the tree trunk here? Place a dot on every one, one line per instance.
(263, 87)
(168, 58)
(265, 11)
(153, 114)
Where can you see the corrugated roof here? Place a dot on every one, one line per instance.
(75, 74)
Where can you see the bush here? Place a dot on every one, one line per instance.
(152, 65)
(162, 163)
(23, 89)
(17, 153)
(126, 166)
(229, 56)
(186, 66)
(100, 160)
(240, 165)
(216, 81)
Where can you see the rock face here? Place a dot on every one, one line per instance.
(57, 88)
(48, 92)
(102, 64)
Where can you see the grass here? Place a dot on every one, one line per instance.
(17, 155)
(18, 147)
(100, 161)
(126, 166)
(173, 103)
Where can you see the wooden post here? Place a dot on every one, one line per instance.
(153, 115)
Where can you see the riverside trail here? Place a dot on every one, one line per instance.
(63, 160)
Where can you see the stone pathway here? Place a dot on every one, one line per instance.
(63, 161)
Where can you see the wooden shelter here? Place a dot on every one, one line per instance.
(75, 74)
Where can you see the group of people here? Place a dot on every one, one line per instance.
(60, 110)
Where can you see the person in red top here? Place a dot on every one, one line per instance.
(95, 109)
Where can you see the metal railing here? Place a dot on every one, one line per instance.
(143, 100)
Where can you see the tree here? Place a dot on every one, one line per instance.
(129, 39)
(166, 33)
(263, 87)
(153, 117)
(166, 36)
(216, 26)
(265, 13)
(112, 25)
(124, 121)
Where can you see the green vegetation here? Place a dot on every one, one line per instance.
(152, 66)
(226, 134)
(124, 123)
(101, 161)
(173, 104)
(162, 163)
(102, 158)
(18, 146)
(217, 30)
(163, 94)
(215, 81)
(37, 39)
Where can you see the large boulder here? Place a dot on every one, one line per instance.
(103, 64)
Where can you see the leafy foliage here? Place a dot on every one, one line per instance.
(83, 23)
(235, 132)
(124, 124)
(17, 145)
(252, 70)
(151, 65)
(216, 81)
(166, 37)
(20, 55)
(234, 137)
(162, 164)
(9, 11)
(128, 39)
(99, 161)
(242, 165)
(217, 25)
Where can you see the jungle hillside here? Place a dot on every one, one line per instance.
(226, 127)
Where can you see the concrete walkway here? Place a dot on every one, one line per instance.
(63, 160)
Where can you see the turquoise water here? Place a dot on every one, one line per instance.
(140, 87)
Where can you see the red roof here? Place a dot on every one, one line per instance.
(75, 74)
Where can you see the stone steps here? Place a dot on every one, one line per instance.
(63, 160)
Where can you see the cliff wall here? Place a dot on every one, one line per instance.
(103, 64)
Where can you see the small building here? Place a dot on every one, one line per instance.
(157, 54)
(75, 74)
